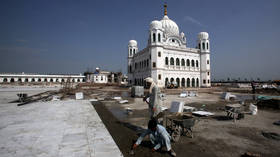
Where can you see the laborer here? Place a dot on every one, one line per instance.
(158, 136)
(153, 98)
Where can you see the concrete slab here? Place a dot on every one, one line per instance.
(55, 128)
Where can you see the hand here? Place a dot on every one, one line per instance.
(134, 146)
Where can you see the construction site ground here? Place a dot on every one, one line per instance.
(213, 136)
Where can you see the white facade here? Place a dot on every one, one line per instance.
(167, 59)
(100, 78)
(8, 78)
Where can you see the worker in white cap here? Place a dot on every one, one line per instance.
(153, 98)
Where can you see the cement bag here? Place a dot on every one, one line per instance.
(253, 109)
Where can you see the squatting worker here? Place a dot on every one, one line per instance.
(153, 98)
(158, 136)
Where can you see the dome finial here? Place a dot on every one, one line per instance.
(165, 9)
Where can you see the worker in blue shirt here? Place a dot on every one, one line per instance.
(158, 136)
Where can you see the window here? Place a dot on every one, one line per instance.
(173, 40)
(159, 54)
(159, 76)
(166, 60)
(166, 81)
(199, 46)
(154, 64)
(188, 62)
(147, 62)
(204, 81)
(130, 52)
(197, 82)
(177, 62)
(192, 63)
(196, 63)
(150, 57)
(207, 46)
(171, 61)
(208, 73)
(154, 37)
(208, 81)
(203, 46)
(182, 62)
(158, 37)
(208, 62)
(133, 51)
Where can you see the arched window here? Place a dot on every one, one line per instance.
(52, 80)
(166, 60)
(26, 80)
(196, 63)
(188, 82)
(207, 46)
(130, 52)
(183, 82)
(182, 62)
(197, 82)
(178, 82)
(166, 81)
(12, 80)
(133, 51)
(199, 46)
(45, 80)
(172, 80)
(177, 62)
(154, 37)
(33, 80)
(203, 46)
(188, 62)
(192, 63)
(158, 37)
(39, 80)
(147, 62)
(171, 61)
(19, 80)
(193, 82)
(5, 80)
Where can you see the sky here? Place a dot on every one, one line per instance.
(67, 36)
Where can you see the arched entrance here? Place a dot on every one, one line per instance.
(178, 82)
(188, 82)
(183, 82)
(193, 82)
(166, 82)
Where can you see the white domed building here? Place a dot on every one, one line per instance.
(167, 59)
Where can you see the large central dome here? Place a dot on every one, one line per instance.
(169, 26)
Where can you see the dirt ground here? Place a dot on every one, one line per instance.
(214, 136)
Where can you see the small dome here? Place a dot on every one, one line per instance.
(203, 35)
(132, 43)
(169, 26)
(155, 25)
(182, 34)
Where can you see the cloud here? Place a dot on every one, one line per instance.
(193, 20)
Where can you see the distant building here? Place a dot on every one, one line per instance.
(167, 59)
(55, 78)
(104, 77)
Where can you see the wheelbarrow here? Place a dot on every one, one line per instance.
(180, 125)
